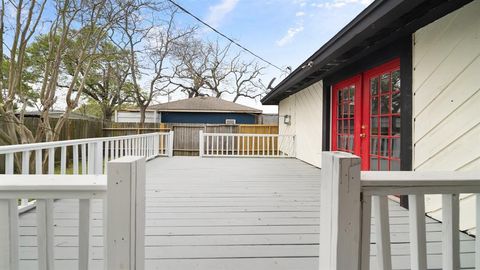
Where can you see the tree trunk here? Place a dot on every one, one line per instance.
(143, 110)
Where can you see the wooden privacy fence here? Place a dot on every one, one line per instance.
(186, 136)
(350, 198)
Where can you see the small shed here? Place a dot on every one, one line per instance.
(202, 110)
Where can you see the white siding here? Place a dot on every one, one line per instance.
(134, 117)
(446, 59)
(305, 109)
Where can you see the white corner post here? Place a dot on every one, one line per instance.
(200, 143)
(340, 212)
(170, 144)
(125, 226)
(8, 234)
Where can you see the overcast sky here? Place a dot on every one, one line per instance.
(285, 32)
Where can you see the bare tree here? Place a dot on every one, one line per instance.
(210, 68)
(190, 67)
(247, 82)
(150, 44)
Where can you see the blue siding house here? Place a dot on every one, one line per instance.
(197, 110)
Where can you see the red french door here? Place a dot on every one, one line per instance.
(366, 117)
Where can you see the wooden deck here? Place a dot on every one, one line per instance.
(229, 213)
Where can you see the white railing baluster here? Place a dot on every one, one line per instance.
(112, 149)
(9, 234)
(38, 161)
(106, 153)
(121, 148)
(226, 138)
(450, 232)
(45, 234)
(382, 232)
(84, 158)
(9, 163)
(477, 238)
(365, 223)
(84, 234)
(63, 160)
(418, 246)
(25, 170)
(477, 226)
(51, 160)
(75, 158)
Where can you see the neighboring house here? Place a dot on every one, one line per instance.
(204, 110)
(398, 86)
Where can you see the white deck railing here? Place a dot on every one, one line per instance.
(123, 189)
(246, 145)
(347, 197)
(85, 156)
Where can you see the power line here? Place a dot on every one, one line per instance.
(225, 36)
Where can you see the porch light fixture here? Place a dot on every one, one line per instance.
(287, 119)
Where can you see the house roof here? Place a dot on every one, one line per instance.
(381, 23)
(203, 104)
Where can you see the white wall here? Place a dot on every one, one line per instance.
(305, 108)
(134, 117)
(446, 86)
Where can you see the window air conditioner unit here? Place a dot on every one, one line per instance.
(230, 121)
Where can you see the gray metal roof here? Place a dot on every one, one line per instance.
(203, 104)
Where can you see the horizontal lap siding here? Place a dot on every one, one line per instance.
(446, 59)
(207, 118)
(305, 108)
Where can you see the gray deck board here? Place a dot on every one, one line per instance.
(229, 213)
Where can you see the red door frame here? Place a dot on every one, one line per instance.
(362, 109)
(357, 82)
(367, 75)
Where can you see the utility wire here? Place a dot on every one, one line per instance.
(225, 36)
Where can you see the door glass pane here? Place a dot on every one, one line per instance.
(374, 125)
(374, 86)
(373, 145)
(395, 147)
(396, 80)
(374, 106)
(394, 165)
(395, 125)
(385, 104)
(384, 147)
(384, 164)
(373, 164)
(384, 125)
(350, 142)
(385, 83)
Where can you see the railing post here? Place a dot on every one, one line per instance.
(170, 144)
(200, 143)
(125, 226)
(8, 234)
(340, 211)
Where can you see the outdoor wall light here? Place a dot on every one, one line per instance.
(287, 119)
